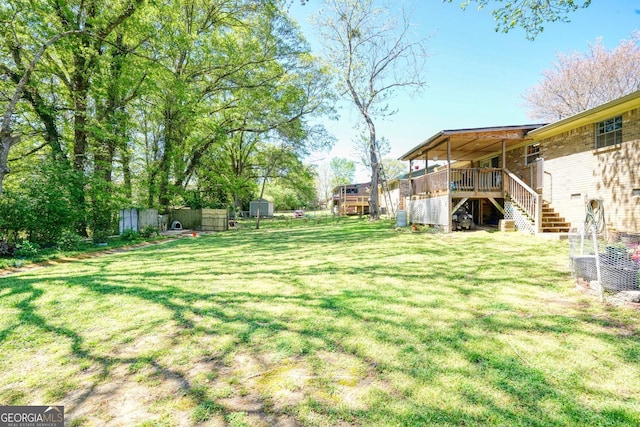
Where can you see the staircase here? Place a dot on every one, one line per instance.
(529, 212)
(552, 222)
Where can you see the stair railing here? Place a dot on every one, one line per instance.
(525, 198)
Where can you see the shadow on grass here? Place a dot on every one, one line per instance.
(439, 352)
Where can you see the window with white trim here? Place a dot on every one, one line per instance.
(609, 132)
(531, 153)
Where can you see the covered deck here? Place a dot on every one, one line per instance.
(351, 199)
(471, 168)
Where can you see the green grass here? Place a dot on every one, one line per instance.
(84, 247)
(320, 323)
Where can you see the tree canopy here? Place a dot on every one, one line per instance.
(579, 81)
(152, 103)
(530, 15)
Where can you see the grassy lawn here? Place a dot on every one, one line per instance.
(329, 324)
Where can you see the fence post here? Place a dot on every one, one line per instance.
(597, 253)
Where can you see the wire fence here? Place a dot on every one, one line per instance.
(606, 263)
(289, 219)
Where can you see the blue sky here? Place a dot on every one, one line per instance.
(475, 76)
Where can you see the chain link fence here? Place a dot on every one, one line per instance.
(606, 262)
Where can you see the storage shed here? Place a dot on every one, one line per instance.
(137, 219)
(265, 206)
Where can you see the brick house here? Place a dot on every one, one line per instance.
(540, 176)
(591, 155)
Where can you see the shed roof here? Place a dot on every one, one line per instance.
(470, 144)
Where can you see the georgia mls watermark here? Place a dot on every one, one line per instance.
(31, 416)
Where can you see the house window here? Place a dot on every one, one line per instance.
(532, 153)
(609, 132)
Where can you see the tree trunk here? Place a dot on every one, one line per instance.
(6, 142)
(6, 139)
(47, 117)
(374, 211)
(126, 172)
(264, 183)
(80, 93)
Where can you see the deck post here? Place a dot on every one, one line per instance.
(449, 201)
(538, 218)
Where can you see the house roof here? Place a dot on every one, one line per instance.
(414, 173)
(352, 185)
(470, 144)
(593, 115)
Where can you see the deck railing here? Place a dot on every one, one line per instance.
(353, 200)
(462, 179)
(431, 183)
(525, 197)
(351, 203)
(481, 181)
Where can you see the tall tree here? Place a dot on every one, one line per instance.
(65, 116)
(342, 171)
(323, 177)
(148, 99)
(231, 72)
(393, 167)
(7, 137)
(375, 54)
(582, 80)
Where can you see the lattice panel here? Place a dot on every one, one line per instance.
(432, 211)
(417, 212)
(522, 222)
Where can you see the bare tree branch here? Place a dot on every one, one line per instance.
(579, 81)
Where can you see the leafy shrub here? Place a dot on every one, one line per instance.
(26, 249)
(43, 205)
(129, 235)
(100, 236)
(69, 241)
(16, 211)
(149, 231)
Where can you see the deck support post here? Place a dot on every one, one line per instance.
(449, 201)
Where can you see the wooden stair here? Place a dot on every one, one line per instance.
(552, 222)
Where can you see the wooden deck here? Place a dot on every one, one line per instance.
(352, 205)
(491, 184)
(462, 183)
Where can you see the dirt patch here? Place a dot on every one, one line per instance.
(615, 299)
